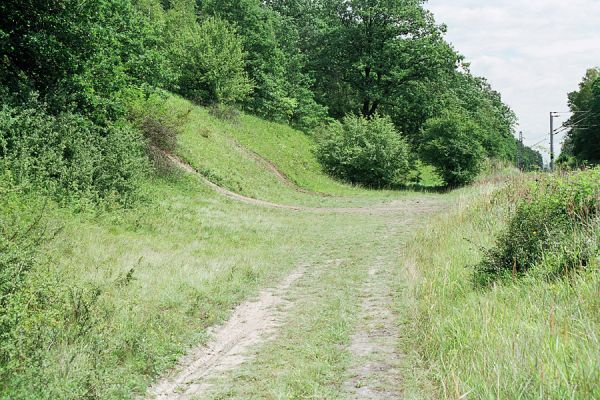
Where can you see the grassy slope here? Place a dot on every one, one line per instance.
(211, 145)
(524, 340)
(132, 289)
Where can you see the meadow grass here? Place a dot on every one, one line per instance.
(310, 357)
(524, 339)
(141, 286)
(120, 294)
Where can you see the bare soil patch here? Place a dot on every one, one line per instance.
(251, 324)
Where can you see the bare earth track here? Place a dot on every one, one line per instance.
(250, 324)
(375, 373)
(375, 368)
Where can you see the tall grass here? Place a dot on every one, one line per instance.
(521, 338)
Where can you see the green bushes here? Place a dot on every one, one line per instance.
(68, 156)
(159, 123)
(451, 145)
(22, 229)
(208, 58)
(64, 68)
(553, 230)
(369, 152)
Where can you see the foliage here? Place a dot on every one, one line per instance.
(583, 141)
(551, 228)
(65, 66)
(78, 55)
(208, 57)
(450, 144)
(159, 123)
(520, 338)
(275, 65)
(69, 156)
(22, 230)
(371, 52)
(365, 151)
(531, 160)
(477, 100)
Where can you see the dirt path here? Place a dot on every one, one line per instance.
(375, 372)
(250, 324)
(371, 246)
(403, 205)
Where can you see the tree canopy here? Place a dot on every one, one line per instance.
(583, 140)
(302, 62)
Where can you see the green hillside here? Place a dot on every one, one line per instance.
(307, 199)
(239, 154)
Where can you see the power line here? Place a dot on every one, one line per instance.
(568, 124)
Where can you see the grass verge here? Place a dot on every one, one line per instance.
(517, 339)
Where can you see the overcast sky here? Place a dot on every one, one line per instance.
(532, 51)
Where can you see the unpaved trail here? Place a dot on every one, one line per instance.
(375, 373)
(397, 206)
(371, 247)
(250, 324)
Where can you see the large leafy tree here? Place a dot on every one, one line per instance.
(484, 106)
(373, 53)
(206, 54)
(77, 52)
(583, 142)
(274, 63)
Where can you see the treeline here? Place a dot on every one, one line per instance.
(582, 145)
(69, 71)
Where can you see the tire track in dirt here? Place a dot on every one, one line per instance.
(251, 323)
(406, 205)
(377, 364)
(376, 373)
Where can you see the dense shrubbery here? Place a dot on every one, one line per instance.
(208, 58)
(553, 230)
(21, 230)
(72, 140)
(159, 124)
(451, 145)
(288, 62)
(364, 151)
(69, 156)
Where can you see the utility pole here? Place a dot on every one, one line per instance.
(520, 152)
(552, 115)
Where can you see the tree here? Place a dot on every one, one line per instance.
(373, 50)
(451, 145)
(77, 55)
(274, 63)
(483, 105)
(365, 151)
(208, 56)
(584, 137)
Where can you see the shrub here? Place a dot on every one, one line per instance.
(369, 152)
(159, 123)
(209, 58)
(554, 229)
(22, 229)
(450, 144)
(68, 156)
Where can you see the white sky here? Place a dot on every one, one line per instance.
(532, 51)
